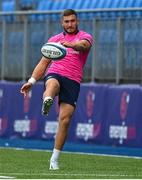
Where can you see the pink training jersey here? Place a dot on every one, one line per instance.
(71, 66)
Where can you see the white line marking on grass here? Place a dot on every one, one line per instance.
(69, 174)
(83, 153)
(108, 155)
(6, 177)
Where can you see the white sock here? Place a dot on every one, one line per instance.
(47, 97)
(55, 155)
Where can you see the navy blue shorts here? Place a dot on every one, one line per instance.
(69, 89)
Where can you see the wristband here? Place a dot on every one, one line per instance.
(32, 80)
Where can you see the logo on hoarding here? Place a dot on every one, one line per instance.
(125, 99)
(3, 125)
(27, 102)
(118, 132)
(50, 129)
(1, 95)
(123, 132)
(25, 127)
(90, 98)
(88, 131)
(85, 131)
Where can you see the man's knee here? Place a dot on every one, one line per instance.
(65, 120)
(52, 82)
(52, 87)
(65, 114)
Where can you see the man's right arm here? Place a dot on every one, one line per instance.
(40, 68)
(36, 75)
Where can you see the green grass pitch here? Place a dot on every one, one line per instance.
(29, 164)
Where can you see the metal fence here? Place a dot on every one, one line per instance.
(115, 57)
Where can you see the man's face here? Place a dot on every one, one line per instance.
(70, 24)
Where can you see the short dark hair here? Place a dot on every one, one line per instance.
(68, 12)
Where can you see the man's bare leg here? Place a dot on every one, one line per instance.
(65, 114)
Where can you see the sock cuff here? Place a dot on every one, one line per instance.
(56, 150)
(47, 97)
(55, 155)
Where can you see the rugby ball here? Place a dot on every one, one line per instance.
(53, 51)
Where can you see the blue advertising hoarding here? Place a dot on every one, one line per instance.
(105, 114)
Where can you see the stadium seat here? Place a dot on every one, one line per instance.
(108, 36)
(56, 4)
(95, 4)
(15, 46)
(133, 36)
(133, 47)
(8, 6)
(36, 40)
(0, 38)
(16, 38)
(0, 47)
(81, 4)
(37, 37)
(92, 5)
(28, 4)
(43, 5)
(69, 5)
(15, 57)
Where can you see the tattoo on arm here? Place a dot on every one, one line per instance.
(82, 45)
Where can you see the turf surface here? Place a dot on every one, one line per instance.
(28, 164)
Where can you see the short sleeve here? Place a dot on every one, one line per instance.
(86, 36)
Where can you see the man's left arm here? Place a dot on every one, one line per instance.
(82, 45)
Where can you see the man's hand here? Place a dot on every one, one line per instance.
(26, 88)
(67, 44)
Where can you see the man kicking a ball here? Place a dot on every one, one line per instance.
(63, 77)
